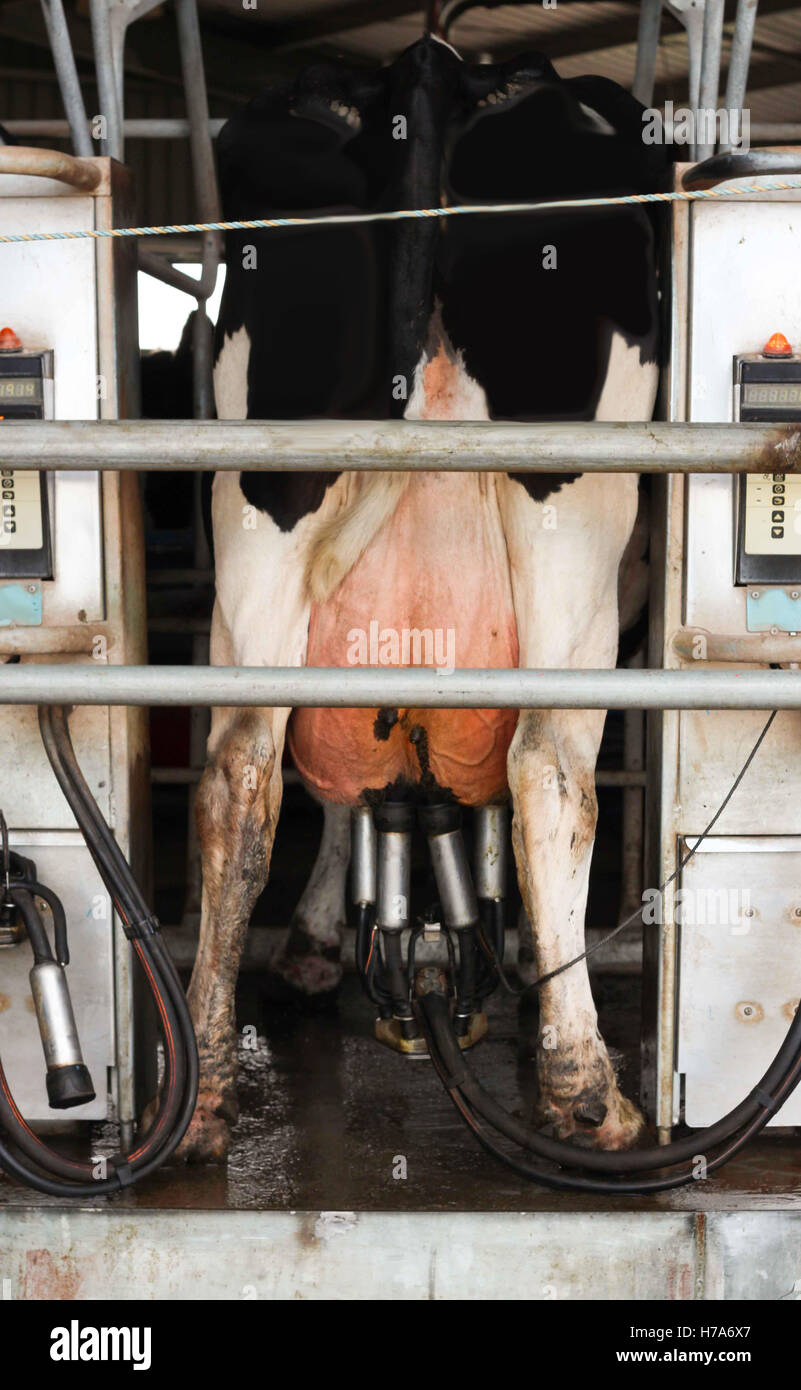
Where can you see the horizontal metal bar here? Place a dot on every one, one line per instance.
(782, 132)
(696, 644)
(177, 128)
(404, 687)
(186, 776)
(402, 445)
(144, 128)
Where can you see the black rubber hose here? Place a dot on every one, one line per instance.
(111, 861)
(170, 1124)
(34, 926)
(606, 1187)
(364, 927)
(179, 1093)
(466, 975)
(397, 983)
(100, 841)
(641, 1160)
(41, 890)
(735, 1129)
(113, 865)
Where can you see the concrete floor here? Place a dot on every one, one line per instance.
(309, 1207)
(326, 1113)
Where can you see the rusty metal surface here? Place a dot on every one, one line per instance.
(698, 644)
(345, 1255)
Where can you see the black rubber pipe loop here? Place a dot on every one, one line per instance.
(25, 1156)
(733, 1131)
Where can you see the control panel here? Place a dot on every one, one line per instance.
(26, 393)
(767, 389)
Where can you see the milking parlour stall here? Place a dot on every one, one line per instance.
(400, 627)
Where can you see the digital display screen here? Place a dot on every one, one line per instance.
(769, 395)
(20, 388)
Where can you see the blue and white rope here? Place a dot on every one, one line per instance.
(344, 219)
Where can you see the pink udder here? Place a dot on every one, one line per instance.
(438, 569)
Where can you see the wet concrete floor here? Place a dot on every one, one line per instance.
(330, 1120)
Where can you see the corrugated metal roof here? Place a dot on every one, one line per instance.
(579, 35)
(244, 47)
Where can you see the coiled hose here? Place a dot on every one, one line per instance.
(22, 1154)
(487, 1119)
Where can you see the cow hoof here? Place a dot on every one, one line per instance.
(592, 1122)
(310, 981)
(590, 1112)
(208, 1137)
(305, 972)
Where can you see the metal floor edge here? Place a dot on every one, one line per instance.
(58, 1253)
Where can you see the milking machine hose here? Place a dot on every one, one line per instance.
(475, 1105)
(31, 1160)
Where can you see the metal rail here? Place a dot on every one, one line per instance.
(404, 687)
(133, 128)
(400, 445)
(177, 128)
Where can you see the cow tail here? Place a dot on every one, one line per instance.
(341, 541)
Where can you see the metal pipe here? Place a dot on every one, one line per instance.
(197, 106)
(133, 128)
(203, 351)
(780, 132)
(740, 55)
(647, 45)
(363, 856)
(619, 778)
(710, 73)
(402, 445)
(363, 687)
(692, 17)
(697, 644)
(394, 880)
(632, 831)
(74, 170)
(167, 128)
(490, 844)
(204, 171)
(457, 896)
(183, 776)
(67, 73)
(106, 77)
(161, 269)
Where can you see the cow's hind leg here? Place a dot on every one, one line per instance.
(564, 556)
(309, 962)
(552, 777)
(260, 619)
(237, 811)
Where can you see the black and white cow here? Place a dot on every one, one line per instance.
(522, 317)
